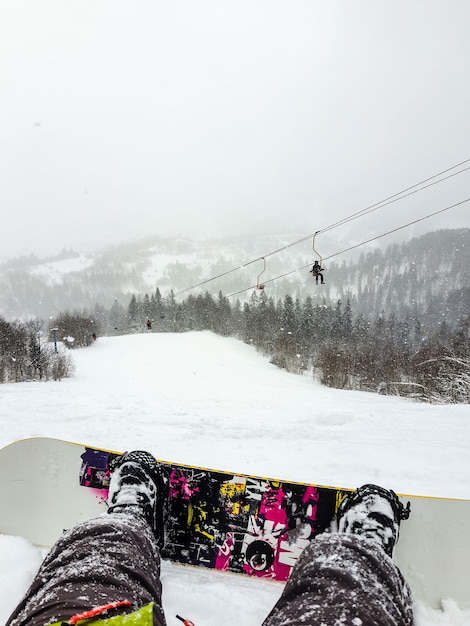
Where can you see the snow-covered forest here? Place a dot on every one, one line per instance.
(427, 275)
(391, 355)
(406, 336)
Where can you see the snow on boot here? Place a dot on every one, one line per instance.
(138, 485)
(373, 512)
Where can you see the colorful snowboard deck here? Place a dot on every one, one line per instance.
(232, 522)
(226, 521)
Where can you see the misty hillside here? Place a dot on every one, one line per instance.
(428, 274)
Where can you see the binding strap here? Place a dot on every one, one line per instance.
(400, 511)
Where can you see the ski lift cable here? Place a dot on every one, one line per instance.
(389, 232)
(392, 199)
(374, 207)
(114, 319)
(46, 324)
(242, 266)
(394, 230)
(209, 280)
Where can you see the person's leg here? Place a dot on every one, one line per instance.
(343, 579)
(348, 577)
(111, 558)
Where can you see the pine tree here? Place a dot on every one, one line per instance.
(133, 310)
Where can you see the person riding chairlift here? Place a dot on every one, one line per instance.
(317, 272)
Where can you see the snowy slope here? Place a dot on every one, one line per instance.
(201, 399)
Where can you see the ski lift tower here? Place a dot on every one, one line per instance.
(54, 338)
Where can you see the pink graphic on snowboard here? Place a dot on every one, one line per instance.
(270, 546)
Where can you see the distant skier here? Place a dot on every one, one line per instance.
(149, 324)
(110, 565)
(317, 272)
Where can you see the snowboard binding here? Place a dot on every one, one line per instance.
(373, 512)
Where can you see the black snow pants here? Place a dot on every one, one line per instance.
(339, 579)
(344, 579)
(107, 559)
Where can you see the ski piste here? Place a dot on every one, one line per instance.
(231, 522)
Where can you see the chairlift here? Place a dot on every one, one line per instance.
(260, 285)
(317, 269)
(313, 246)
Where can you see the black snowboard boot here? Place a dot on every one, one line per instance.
(138, 485)
(373, 512)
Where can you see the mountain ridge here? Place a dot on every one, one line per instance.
(424, 273)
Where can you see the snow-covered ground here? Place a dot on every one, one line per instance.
(205, 400)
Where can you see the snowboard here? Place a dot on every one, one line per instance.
(223, 520)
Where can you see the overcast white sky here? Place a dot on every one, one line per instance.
(122, 118)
